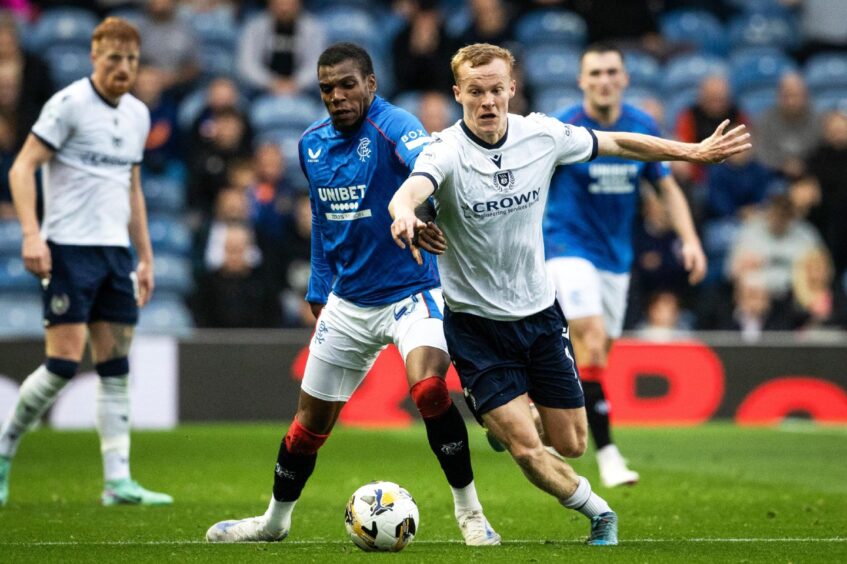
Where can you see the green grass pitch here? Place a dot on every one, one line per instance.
(716, 493)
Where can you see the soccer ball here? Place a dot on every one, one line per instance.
(381, 516)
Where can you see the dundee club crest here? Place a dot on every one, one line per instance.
(504, 181)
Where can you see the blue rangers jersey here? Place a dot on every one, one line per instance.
(352, 177)
(592, 206)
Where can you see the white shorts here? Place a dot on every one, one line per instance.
(585, 291)
(348, 339)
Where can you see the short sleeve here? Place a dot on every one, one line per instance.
(574, 143)
(436, 162)
(56, 121)
(409, 135)
(145, 132)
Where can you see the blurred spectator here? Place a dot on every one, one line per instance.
(209, 162)
(771, 243)
(434, 111)
(805, 196)
(279, 48)
(664, 319)
(162, 143)
(822, 22)
(630, 24)
(236, 294)
(271, 200)
(25, 84)
(7, 156)
(753, 311)
(737, 187)
(714, 104)
(490, 23)
(231, 208)
(829, 164)
(168, 43)
(222, 93)
(788, 132)
(226, 8)
(422, 51)
(296, 265)
(817, 302)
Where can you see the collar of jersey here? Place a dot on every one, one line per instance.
(484, 144)
(105, 101)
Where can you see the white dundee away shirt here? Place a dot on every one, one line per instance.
(87, 182)
(490, 203)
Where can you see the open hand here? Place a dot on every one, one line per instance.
(722, 144)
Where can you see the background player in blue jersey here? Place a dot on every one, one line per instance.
(88, 142)
(366, 294)
(588, 237)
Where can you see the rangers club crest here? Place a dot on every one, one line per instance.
(364, 149)
(504, 181)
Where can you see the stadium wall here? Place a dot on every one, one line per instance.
(254, 375)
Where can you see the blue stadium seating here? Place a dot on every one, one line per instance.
(687, 71)
(765, 30)
(173, 273)
(21, 315)
(14, 277)
(10, 237)
(169, 235)
(695, 27)
(192, 106)
(345, 23)
(675, 103)
(825, 71)
(68, 63)
(752, 70)
(755, 102)
(62, 26)
(270, 112)
(217, 60)
(551, 65)
(215, 27)
(828, 100)
(164, 194)
(287, 139)
(553, 99)
(643, 69)
(635, 95)
(166, 314)
(767, 7)
(551, 26)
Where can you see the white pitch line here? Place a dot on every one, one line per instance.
(423, 541)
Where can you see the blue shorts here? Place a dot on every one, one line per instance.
(498, 361)
(90, 283)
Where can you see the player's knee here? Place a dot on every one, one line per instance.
(114, 367)
(62, 367)
(431, 397)
(528, 457)
(571, 447)
(300, 440)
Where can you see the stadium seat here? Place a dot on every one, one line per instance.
(68, 63)
(560, 27)
(676, 103)
(763, 30)
(166, 314)
(21, 315)
(752, 70)
(346, 23)
(755, 102)
(173, 273)
(643, 69)
(825, 71)
(164, 194)
(767, 7)
(829, 100)
(287, 139)
(635, 95)
(217, 60)
(14, 277)
(62, 26)
(697, 28)
(554, 99)
(687, 71)
(10, 238)
(551, 65)
(270, 112)
(215, 27)
(169, 235)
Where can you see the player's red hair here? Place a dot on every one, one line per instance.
(117, 29)
(480, 54)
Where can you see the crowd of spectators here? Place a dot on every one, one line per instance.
(772, 220)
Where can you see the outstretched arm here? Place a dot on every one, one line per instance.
(716, 148)
(412, 193)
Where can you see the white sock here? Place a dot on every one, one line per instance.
(465, 499)
(37, 394)
(113, 425)
(585, 501)
(278, 515)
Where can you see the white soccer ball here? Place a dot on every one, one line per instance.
(381, 516)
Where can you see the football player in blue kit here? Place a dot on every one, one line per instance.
(588, 237)
(366, 294)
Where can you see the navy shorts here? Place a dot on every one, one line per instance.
(498, 361)
(90, 283)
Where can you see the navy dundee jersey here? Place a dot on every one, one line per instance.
(592, 206)
(352, 177)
